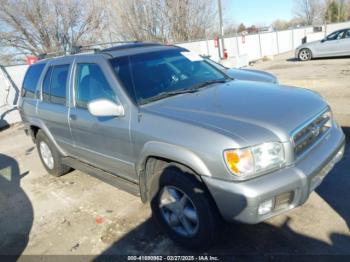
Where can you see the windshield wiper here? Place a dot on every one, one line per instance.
(168, 94)
(193, 89)
(207, 83)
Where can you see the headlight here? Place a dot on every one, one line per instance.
(253, 161)
(328, 117)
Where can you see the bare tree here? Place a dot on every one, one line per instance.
(309, 11)
(161, 20)
(6, 59)
(44, 26)
(138, 20)
(189, 19)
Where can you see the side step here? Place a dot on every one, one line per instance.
(109, 178)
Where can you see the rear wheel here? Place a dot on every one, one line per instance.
(49, 155)
(185, 210)
(305, 54)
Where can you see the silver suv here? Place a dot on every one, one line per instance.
(162, 123)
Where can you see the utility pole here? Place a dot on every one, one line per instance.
(221, 28)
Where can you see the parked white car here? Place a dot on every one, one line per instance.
(335, 44)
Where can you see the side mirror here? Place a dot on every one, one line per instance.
(323, 40)
(105, 107)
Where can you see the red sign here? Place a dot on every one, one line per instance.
(216, 42)
(225, 54)
(243, 39)
(31, 60)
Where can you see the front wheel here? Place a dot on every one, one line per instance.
(305, 54)
(185, 210)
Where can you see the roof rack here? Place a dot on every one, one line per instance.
(95, 48)
(81, 49)
(51, 54)
(74, 50)
(127, 45)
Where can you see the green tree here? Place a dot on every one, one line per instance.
(332, 12)
(281, 24)
(241, 28)
(336, 11)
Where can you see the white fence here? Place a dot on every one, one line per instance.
(253, 47)
(10, 83)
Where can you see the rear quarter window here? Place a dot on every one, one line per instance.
(31, 80)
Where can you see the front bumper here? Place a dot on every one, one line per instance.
(239, 201)
(296, 53)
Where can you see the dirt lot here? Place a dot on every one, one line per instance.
(77, 214)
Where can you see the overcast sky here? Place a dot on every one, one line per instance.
(259, 12)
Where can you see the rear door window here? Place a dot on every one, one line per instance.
(55, 84)
(31, 80)
(59, 84)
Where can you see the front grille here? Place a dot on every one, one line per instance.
(309, 134)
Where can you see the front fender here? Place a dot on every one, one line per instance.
(174, 153)
(170, 152)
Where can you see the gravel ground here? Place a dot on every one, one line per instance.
(80, 215)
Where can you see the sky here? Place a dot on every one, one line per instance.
(258, 12)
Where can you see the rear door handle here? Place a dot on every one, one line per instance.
(72, 117)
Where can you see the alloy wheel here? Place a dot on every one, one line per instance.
(179, 211)
(46, 155)
(305, 55)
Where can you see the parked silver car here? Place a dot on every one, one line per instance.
(162, 123)
(335, 44)
(245, 74)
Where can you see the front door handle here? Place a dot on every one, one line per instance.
(72, 117)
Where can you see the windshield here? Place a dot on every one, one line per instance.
(336, 35)
(217, 65)
(152, 76)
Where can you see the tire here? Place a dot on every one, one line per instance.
(305, 54)
(200, 233)
(49, 156)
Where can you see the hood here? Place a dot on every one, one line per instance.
(309, 44)
(251, 75)
(244, 109)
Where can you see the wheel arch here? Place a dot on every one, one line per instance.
(155, 156)
(35, 126)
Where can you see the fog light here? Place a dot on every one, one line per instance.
(282, 201)
(265, 207)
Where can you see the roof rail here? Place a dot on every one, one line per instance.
(51, 54)
(127, 45)
(95, 48)
(81, 49)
